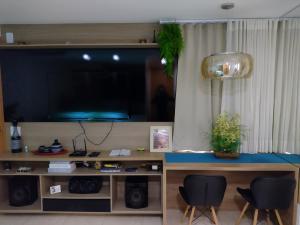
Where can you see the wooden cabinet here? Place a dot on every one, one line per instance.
(112, 191)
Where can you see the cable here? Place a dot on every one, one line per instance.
(89, 140)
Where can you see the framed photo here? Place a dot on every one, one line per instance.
(160, 139)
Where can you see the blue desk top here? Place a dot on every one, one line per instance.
(291, 158)
(210, 158)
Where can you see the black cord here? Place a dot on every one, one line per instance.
(89, 140)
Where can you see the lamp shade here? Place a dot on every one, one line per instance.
(227, 65)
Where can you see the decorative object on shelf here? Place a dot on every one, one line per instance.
(227, 65)
(16, 140)
(226, 136)
(37, 152)
(160, 138)
(54, 149)
(55, 189)
(56, 146)
(171, 44)
(24, 169)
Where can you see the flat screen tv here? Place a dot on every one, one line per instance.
(48, 85)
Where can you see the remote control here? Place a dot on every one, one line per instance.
(93, 154)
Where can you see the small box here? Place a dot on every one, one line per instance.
(55, 189)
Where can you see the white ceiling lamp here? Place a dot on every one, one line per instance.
(227, 65)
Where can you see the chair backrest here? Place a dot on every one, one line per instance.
(272, 192)
(204, 190)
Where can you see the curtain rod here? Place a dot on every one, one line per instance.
(166, 21)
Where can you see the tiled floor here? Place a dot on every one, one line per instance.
(225, 218)
(15, 219)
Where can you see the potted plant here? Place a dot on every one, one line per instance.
(171, 44)
(226, 136)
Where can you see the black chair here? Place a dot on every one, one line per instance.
(268, 193)
(204, 191)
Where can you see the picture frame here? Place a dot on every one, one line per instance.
(161, 139)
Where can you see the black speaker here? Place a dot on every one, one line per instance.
(23, 190)
(136, 192)
(85, 185)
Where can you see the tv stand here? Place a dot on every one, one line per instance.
(111, 194)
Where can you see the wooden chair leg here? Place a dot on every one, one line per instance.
(192, 215)
(255, 217)
(242, 214)
(185, 212)
(278, 217)
(214, 215)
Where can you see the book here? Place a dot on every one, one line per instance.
(61, 170)
(110, 170)
(65, 165)
(120, 152)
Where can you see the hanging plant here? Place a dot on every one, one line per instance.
(171, 44)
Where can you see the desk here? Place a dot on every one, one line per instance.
(295, 160)
(238, 172)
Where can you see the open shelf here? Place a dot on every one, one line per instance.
(34, 208)
(80, 172)
(154, 207)
(5, 207)
(65, 194)
(110, 198)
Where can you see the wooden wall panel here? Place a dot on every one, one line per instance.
(81, 33)
(124, 135)
(2, 127)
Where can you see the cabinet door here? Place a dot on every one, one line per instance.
(2, 125)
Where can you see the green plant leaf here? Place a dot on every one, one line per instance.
(171, 44)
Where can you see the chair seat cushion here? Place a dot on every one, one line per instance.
(247, 195)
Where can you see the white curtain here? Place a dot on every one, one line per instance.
(268, 102)
(253, 98)
(286, 132)
(197, 100)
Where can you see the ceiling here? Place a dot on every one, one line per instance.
(115, 11)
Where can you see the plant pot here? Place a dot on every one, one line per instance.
(227, 155)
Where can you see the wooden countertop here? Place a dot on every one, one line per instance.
(104, 156)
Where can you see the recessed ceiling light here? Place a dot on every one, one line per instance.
(226, 6)
(86, 57)
(116, 57)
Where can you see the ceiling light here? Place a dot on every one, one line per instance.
(116, 57)
(226, 6)
(86, 57)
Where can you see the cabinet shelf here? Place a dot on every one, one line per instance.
(34, 208)
(65, 194)
(80, 172)
(154, 207)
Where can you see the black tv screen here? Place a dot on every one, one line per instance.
(41, 85)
